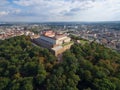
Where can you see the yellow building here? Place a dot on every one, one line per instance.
(55, 42)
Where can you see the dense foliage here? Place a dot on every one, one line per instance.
(24, 66)
(99, 67)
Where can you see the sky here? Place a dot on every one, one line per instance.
(59, 10)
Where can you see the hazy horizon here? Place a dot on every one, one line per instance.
(60, 22)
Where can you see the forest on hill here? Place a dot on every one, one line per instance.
(24, 66)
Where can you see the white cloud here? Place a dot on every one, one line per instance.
(7, 9)
(62, 10)
(24, 2)
(3, 13)
(103, 11)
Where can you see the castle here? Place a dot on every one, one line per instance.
(56, 42)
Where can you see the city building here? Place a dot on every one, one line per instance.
(54, 41)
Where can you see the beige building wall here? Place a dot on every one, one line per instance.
(63, 40)
(56, 46)
(57, 52)
(67, 40)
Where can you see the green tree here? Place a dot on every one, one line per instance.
(3, 83)
(104, 84)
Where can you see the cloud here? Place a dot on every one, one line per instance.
(7, 9)
(3, 13)
(25, 2)
(60, 10)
